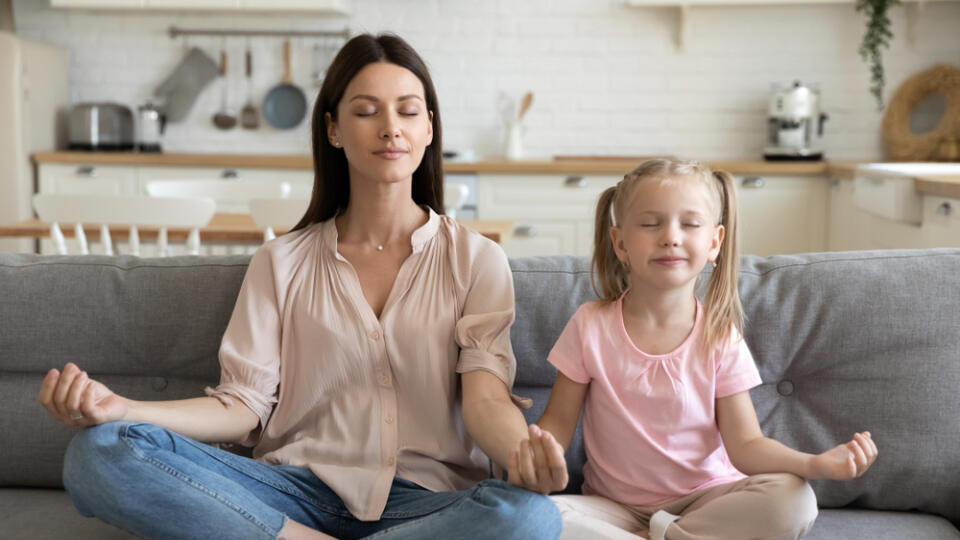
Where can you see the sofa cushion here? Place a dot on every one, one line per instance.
(863, 341)
(27, 513)
(879, 525)
(148, 328)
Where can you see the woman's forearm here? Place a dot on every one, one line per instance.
(497, 426)
(204, 418)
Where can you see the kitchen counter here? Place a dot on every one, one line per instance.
(943, 186)
(580, 165)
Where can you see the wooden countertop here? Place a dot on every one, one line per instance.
(577, 165)
(943, 186)
(224, 227)
(938, 186)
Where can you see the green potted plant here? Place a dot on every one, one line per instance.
(878, 35)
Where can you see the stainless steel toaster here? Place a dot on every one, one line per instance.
(101, 127)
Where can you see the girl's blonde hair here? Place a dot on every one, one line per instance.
(612, 277)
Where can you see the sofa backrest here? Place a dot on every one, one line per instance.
(843, 341)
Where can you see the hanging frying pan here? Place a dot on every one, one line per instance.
(285, 104)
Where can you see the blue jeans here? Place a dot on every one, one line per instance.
(157, 484)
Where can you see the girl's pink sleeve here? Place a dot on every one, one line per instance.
(567, 354)
(736, 370)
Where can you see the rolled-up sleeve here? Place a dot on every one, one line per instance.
(250, 350)
(483, 331)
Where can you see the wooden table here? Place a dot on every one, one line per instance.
(223, 228)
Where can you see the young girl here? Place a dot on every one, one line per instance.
(674, 448)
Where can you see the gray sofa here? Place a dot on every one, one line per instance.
(844, 341)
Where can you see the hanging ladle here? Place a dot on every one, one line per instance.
(224, 119)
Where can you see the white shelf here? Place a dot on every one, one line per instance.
(683, 7)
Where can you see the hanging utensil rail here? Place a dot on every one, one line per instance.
(175, 32)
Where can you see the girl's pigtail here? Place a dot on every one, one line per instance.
(724, 310)
(609, 277)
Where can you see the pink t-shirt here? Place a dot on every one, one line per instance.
(649, 421)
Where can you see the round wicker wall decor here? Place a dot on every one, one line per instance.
(903, 144)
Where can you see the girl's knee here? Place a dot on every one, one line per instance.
(794, 500)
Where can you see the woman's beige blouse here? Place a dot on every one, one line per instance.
(360, 400)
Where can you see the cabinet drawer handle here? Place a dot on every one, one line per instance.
(527, 231)
(575, 182)
(87, 171)
(944, 208)
(754, 182)
(230, 174)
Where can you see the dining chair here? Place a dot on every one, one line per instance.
(230, 195)
(279, 213)
(454, 197)
(129, 210)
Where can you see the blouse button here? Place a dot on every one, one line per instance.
(390, 461)
(375, 335)
(389, 420)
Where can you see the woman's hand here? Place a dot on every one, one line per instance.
(845, 461)
(539, 464)
(75, 399)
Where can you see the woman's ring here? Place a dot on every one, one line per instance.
(78, 416)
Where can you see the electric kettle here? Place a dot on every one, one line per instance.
(150, 122)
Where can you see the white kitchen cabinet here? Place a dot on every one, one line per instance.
(87, 179)
(851, 228)
(941, 222)
(782, 214)
(847, 226)
(552, 214)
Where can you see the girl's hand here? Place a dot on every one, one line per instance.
(845, 461)
(539, 465)
(73, 398)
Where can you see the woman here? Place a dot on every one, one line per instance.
(357, 344)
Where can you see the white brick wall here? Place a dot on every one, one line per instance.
(608, 78)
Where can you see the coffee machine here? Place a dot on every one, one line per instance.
(795, 126)
(151, 122)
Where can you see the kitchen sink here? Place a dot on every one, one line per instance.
(887, 189)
